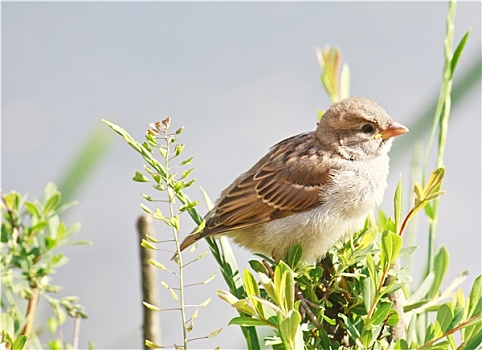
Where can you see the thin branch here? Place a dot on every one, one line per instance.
(30, 313)
(451, 331)
(398, 331)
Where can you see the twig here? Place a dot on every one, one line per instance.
(30, 313)
(451, 331)
(305, 306)
(398, 331)
(150, 294)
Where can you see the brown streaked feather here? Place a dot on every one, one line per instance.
(190, 239)
(326, 167)
(278, 185)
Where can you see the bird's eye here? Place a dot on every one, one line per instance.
(367, 128)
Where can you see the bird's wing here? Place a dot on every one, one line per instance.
(291, 179)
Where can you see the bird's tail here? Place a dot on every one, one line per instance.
(190, 239)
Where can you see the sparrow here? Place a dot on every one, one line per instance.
(312, 189)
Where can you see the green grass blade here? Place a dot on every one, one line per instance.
(85, 161)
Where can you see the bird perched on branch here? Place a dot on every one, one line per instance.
(311, 189)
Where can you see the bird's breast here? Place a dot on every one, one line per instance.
(356, 189)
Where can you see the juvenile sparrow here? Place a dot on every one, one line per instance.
(311, 189)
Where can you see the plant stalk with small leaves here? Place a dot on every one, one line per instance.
(163, 144)
(31, 234)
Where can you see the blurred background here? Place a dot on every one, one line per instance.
(240, 77)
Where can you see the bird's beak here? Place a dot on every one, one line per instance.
(394, 129)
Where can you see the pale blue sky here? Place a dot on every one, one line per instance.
(240, 77)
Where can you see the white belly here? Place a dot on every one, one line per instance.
(345, 208)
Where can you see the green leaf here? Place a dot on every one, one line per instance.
(429, 333)
(32, 209)
(422, 291)
(173, 293)
(148, 198)
(366, 337)
(157, 264)
(19, 343)
(152, 345)
(248, 321)
(147, 145)
(146, 208)
(391, 245)
(284, 282)
(407, 251)
(441, 264)
(8, 323)
(475, 296)
(289, 328)
(148, 245)
(389, 225)
(393, 318)
(187, 161)
(402, 345)
(257, 266)
(56, 344)
(158, 215)
(210, 278)
(418, 191)
(205, 302)
(185, 174)
(458, 316)
(274, 341)
(174, 222)
(178, 149)
(52, 203)
(52, 325)
(372, 270)
(151, 307)
(445, 315)
(474, 342)
(381, 221)
(158, 178)
(214, 333)
(381, 313)
(50, 190)
(243, 306)
(139, 177)
(457, 53)
(392, 287)
(325, 342)
(38, 227)
(227, 296)
(352, 330)
(252, 289)
(268, 285)
(294, 255)
(163, 152)
(328, 320)
(268, 304)
(188, 206)
(429, 211)
(368, 292)
(434, 181)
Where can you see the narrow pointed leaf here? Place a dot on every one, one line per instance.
(247, 321)
(441, 264)
(151, 307)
